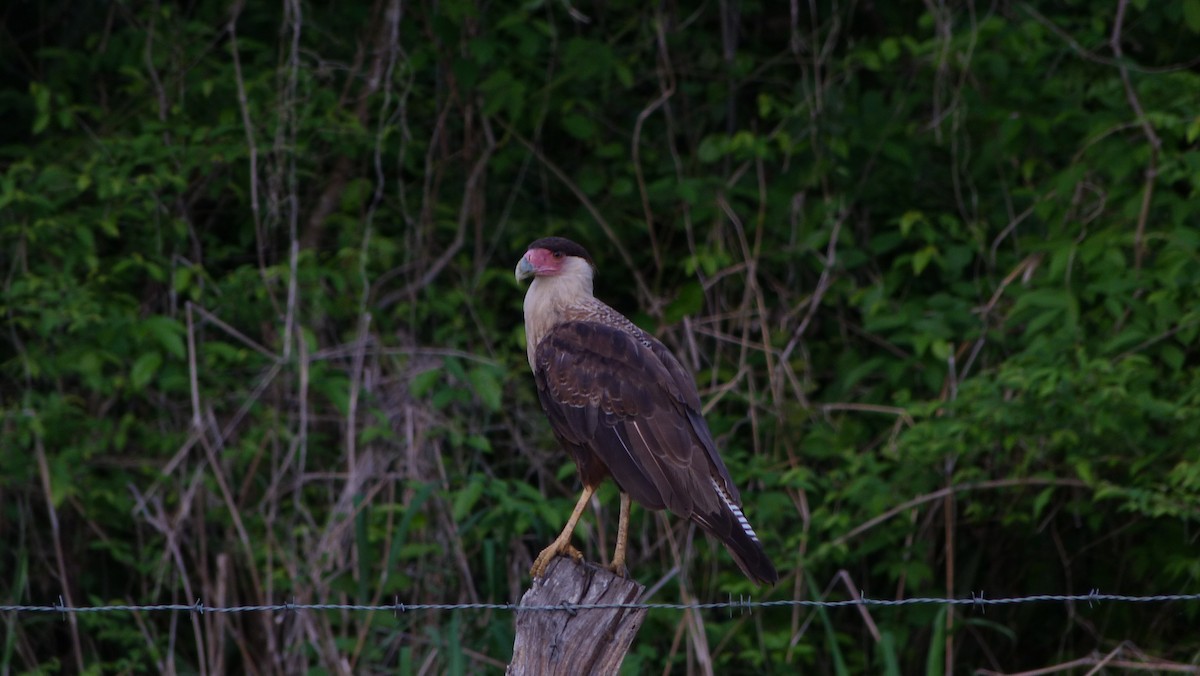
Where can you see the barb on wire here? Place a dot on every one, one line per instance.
(745, 604)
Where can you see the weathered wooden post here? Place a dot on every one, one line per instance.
(580, 641)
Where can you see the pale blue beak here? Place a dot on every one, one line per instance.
(525, 269)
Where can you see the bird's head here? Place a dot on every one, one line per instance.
(554, 256)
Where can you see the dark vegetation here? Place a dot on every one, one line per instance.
(936, 268)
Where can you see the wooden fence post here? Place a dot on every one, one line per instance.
(581, 641)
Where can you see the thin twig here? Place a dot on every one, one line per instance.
(450, 251)
(650, 303)
(56, 534)
(938, 494)
(260, 234)
(1147, 129)
(1093, 56)
(667, 85)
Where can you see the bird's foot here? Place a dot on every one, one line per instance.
(556, 548)
(618, 568)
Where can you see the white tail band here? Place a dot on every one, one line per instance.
(737, 511)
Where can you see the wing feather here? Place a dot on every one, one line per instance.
(611, 392)
(623, 405)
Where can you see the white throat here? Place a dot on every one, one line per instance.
(549, 299)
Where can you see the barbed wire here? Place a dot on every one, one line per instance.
(977, 600)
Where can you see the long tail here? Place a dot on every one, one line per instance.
(731, 527)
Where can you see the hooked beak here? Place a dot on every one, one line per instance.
(525, 269)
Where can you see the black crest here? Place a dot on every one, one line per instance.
(562, 245)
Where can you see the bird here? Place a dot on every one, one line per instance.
(623, 406)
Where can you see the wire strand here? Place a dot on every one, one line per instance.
(1091, 598)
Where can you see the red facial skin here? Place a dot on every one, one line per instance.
(545, 262)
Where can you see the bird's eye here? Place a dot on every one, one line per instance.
(558, 254)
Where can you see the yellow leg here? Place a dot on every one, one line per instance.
(618, 563)
(562, 544)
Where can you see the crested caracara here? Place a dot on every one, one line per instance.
(624, 406)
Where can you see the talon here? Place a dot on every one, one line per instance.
(538, 569)
(542, 562)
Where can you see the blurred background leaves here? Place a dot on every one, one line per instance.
(261, 340)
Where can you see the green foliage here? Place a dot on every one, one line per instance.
(261, 339)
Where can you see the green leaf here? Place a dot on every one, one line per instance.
(144, 369)
(909, 219)
(1193, 128)
(920, 259)
(479, 443)
(712, 148)
(940, 349)
(579, 126)
(889, 48)
(831, 636)
(455, 368)
(888, 654)
(1191, 15)
(41, 102)
(182, 279)
(1085, 472)
(168, 333)
(1042, 499)
(421, 383)
(486, 385)
(935, 660)
(689, 302)
(1173, 357)
(624, 75)
(465, 499)
(503, 92)
(467, 72)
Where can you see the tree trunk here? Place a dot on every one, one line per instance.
(580, 641)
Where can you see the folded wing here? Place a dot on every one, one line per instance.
(622, 403)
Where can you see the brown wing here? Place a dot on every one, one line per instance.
(686, 386)
(629, 402)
